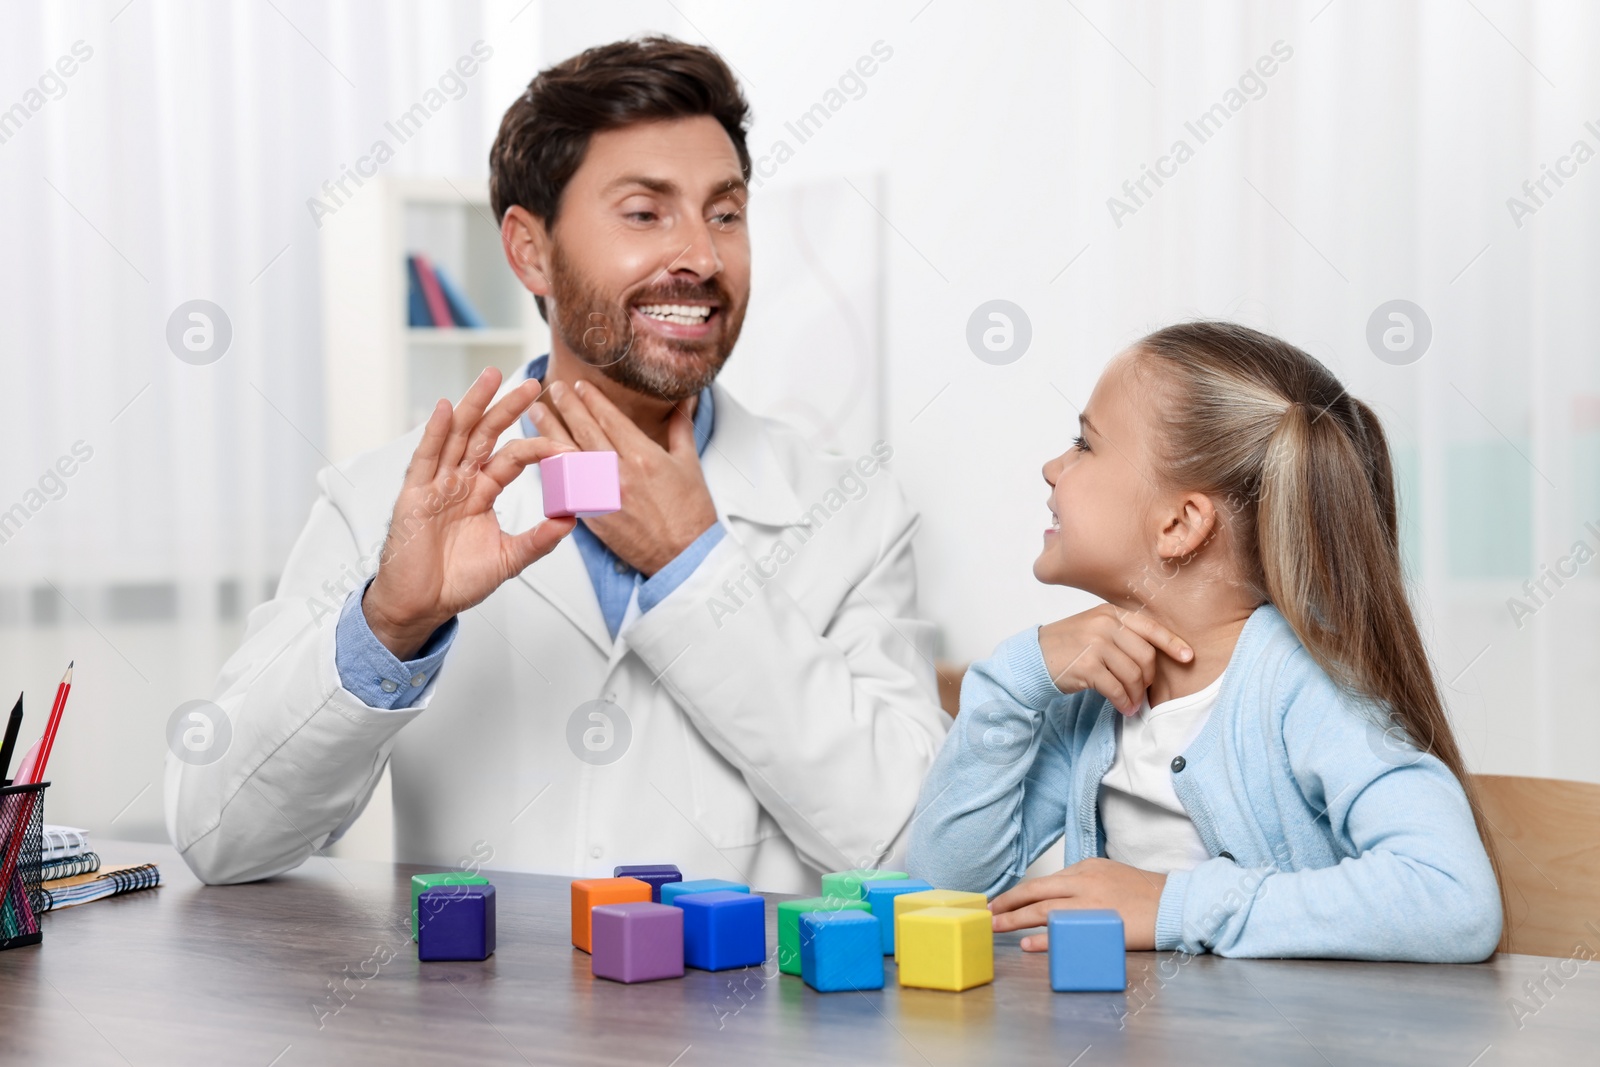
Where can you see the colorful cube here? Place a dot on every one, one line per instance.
(880, 898)
(946, 948)
(723, 929)
(851, 884)
(789, 912)
(589, 893)
(657, 875)
(581, 484)
(840, 951)
(1087, 951)
(640, 941)
(456, 922)
(421, 883)
(671, 891)
(934, 898)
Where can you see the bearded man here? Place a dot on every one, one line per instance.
(727, 674)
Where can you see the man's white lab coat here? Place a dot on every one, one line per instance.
(780, 703)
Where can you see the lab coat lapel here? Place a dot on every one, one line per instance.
(744, 477)
(742, 471)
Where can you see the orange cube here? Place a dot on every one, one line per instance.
(588, 892)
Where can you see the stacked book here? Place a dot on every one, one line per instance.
(433, 299)
(72, 873)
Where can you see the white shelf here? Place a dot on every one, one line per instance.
(383, 376)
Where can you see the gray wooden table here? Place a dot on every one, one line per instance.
(244, 975)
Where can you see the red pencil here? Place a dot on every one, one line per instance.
(54, 724)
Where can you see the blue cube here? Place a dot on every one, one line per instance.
(456, 922)
(880, 898)
(840, 951)
(656, 875)
(671, 891)
(1087, 951)
(723, 929)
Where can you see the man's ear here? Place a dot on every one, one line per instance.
(1188, 527)
(527, 247)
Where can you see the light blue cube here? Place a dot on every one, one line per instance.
(839, 951)
(880, 898)
(671, 891)
(1087, 951)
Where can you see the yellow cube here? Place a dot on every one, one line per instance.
(946, 948)
(933, 898)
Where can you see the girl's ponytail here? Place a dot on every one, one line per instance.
(1306, 473)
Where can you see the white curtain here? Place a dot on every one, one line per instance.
(1374, 163)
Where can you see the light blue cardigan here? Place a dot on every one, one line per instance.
(1329, 838)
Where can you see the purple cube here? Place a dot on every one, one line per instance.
(656, 875)
(456, 922)
(581, 484)
(637, 942)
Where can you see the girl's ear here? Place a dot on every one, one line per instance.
(1188, 527)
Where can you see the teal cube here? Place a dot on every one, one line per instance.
(671, 891)
(880, 898)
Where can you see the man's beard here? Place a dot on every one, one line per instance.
(598, 329)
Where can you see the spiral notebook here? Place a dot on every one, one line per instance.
(109, 882)
(71, 867)
(63, 842)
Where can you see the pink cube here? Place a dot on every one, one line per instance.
(581, 484)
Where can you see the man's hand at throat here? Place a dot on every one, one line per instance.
(665, 502)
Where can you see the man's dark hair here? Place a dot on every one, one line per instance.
(546, 132)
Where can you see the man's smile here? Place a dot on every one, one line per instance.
(687, 321)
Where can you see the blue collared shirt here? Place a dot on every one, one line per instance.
(371, 672)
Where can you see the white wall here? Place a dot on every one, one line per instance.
(1377, 165)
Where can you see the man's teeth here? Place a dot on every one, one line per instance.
(683, 314)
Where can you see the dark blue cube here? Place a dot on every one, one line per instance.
(657, 875)
(1087, 951)
(456, 922)
(840, 951)
(723, 929)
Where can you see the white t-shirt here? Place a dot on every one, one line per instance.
(1146, 825)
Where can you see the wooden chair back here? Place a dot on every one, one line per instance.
(1547, 834)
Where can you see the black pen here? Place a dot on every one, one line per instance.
(11, 739)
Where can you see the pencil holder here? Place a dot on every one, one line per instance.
(22, 900)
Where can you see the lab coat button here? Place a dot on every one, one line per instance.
(595, 852)
(1178, 763)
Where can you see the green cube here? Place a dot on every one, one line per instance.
(847, 884)
(789, 912)
(421, 882)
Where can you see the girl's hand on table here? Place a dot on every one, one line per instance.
(1090, 883)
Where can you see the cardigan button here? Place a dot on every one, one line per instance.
(1224, 855)
(1178, 764)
